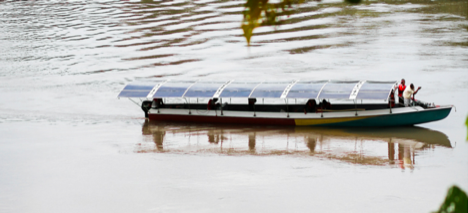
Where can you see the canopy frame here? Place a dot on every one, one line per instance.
(376, 91)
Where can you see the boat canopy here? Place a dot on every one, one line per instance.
(347, 90)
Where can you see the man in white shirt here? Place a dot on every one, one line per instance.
(409, 91)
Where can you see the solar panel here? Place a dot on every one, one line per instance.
(138, 89)
(203, 89)
(269, 90)
(375, 90)
(309, 90)
(337, 90)
(173, 89)
(238, 89)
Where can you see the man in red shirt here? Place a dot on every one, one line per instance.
(401, 89)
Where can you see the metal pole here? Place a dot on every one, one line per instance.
(390, 106)
(221, 100)
(355, 107)
(255, 115)
(321, 110)
(134, 102)
(189, 111)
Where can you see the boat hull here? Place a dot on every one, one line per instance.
(372, 118)
(400, 119)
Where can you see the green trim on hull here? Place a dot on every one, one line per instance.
(403, 119)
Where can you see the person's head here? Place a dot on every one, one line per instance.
(411, 86)
(403, 81)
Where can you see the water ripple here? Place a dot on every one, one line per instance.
(84, 36)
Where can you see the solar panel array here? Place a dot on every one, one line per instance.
(348, 90)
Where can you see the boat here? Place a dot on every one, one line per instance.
(360, 103)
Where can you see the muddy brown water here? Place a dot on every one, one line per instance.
(67, 144)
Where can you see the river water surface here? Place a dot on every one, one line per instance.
(67, 144)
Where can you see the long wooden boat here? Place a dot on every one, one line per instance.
(293, 103)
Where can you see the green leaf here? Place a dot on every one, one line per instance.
(455, 202)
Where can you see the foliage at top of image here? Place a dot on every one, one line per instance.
(455, 202)
(263, 13)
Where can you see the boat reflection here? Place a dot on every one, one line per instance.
(389, 146)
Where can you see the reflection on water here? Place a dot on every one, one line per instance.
(361, 146)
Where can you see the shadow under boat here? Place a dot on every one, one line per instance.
(392, 145)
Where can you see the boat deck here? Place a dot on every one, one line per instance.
(279, 107)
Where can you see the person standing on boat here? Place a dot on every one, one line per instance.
(401, 89)
(408, 93)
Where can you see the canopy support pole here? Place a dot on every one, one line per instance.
(390, 106)
(321, 110)
(221, 100)
(255, 115)
(287, 108)
(133, 101)
(189, 110)
(355, 107)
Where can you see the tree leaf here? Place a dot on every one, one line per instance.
(456, 201)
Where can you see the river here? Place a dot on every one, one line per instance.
(68, 144)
